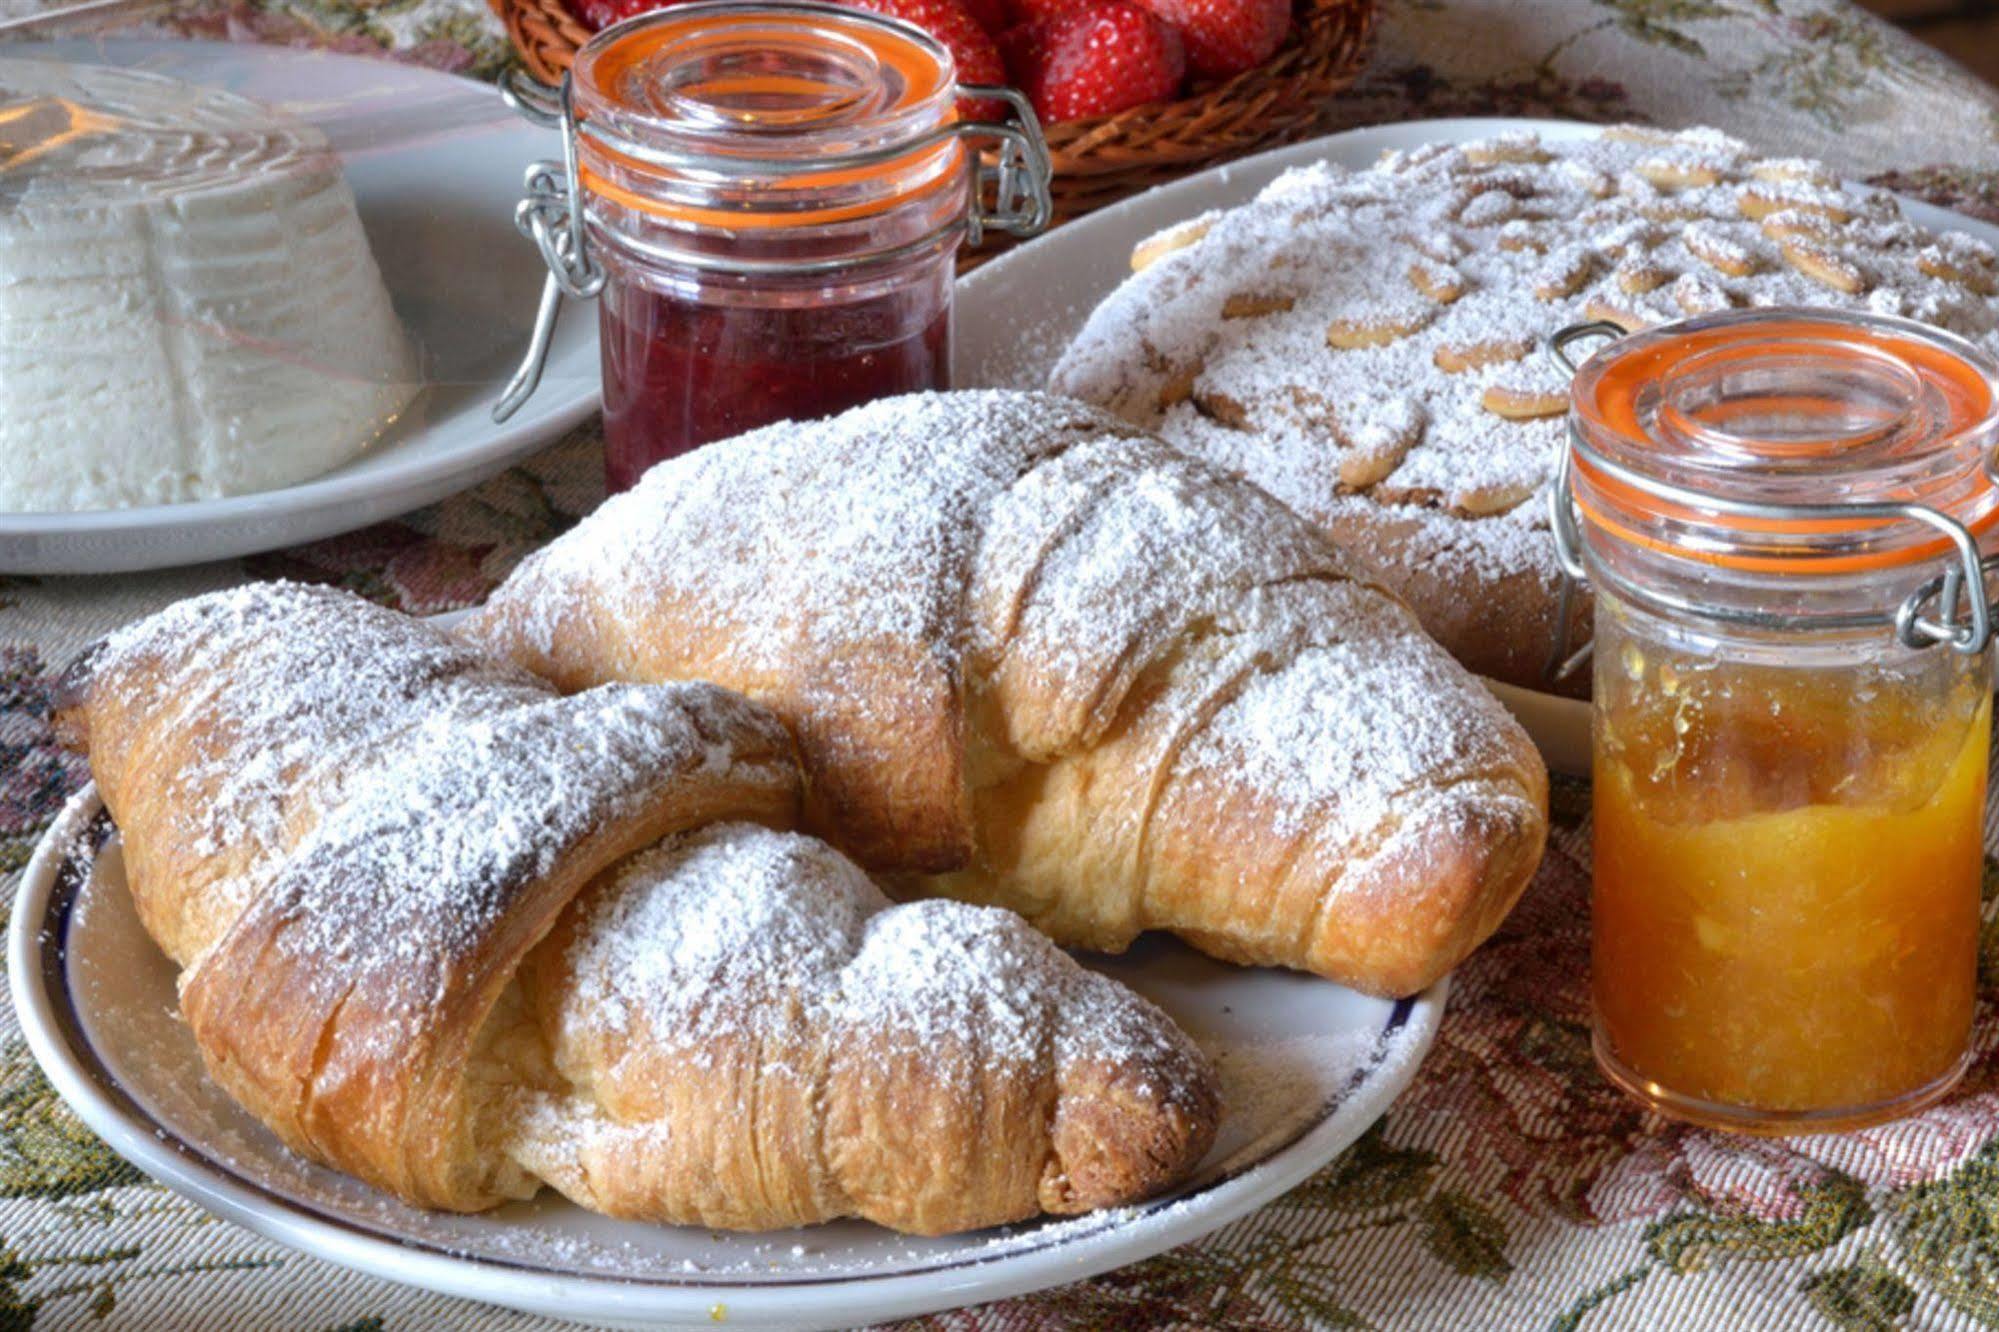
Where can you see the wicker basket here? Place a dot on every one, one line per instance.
(1101, 160)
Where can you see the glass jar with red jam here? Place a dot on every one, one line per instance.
(774, 196)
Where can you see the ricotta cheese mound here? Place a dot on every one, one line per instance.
(188, 305)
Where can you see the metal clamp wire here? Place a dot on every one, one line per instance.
(582, 276)
(531, 99)
(1561, 507)
(1022, 171)
(1561, 662)
(1558, 343)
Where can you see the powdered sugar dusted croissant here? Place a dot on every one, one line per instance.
(457, 935)
(1036, 654)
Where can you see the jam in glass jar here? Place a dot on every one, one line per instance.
(1781, 514)
(773, 199)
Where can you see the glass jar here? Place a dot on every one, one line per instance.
(1781, 514)
(774, 195)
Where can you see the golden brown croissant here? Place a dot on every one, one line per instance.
(457, 935)
(1034, 652)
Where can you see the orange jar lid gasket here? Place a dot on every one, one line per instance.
(1691, 437)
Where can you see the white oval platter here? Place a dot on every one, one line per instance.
(1017, 313)
(436, 163)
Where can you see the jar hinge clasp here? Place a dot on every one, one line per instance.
(1967, 579)
(1019, 173)
(1562, 663)
(550, 215)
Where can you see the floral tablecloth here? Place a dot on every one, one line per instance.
(1511, 1187)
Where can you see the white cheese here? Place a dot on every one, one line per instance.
(188, 304)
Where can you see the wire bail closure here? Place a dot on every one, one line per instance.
(1964, 581)
(1009, 189)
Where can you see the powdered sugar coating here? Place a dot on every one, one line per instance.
(276, 691)
(388, 794)
(826, 537)
(414, 870)
(289, 682)
(719, 933)
(1637, 225)
(1033, 551)
(1328, 765)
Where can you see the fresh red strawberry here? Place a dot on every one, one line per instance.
(1226, 37)
(1040, 11)
(1096, 61)
(951, 23)
(990, 15)
(598, 15)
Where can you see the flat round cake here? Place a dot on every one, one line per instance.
(1366, 345)
(188, 304)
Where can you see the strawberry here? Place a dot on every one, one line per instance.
(1040, 11)
(1226, 37)
(951, 23)
(990, 15)
(598, 15)
(1095, 61)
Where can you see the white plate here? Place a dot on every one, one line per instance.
(1307, 1066)
(436, 165)
(1017, 313)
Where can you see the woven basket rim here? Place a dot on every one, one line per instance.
(1103, 159)
(1318, 28)
(546, 36)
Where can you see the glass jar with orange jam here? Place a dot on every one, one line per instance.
(768, 198)
(1782, 514)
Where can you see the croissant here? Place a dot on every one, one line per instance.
(1034, 657)
(459, 936)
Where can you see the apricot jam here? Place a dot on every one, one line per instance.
(1783, 515)
(1786, 886)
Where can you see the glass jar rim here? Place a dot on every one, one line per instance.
(1787, 440)
(765, 113)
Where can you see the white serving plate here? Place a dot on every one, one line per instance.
(1017, 313)
(436, 164)
(1307, 1065)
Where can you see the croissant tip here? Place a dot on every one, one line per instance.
(70, 694)
(1136, 1137)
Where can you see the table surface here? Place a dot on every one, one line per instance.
(1511, 1187)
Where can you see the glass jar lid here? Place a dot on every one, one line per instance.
(783, 114)
(1792, 441)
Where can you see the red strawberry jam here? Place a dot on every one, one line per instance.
(679, 373)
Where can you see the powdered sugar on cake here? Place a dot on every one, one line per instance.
(1313, 323)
